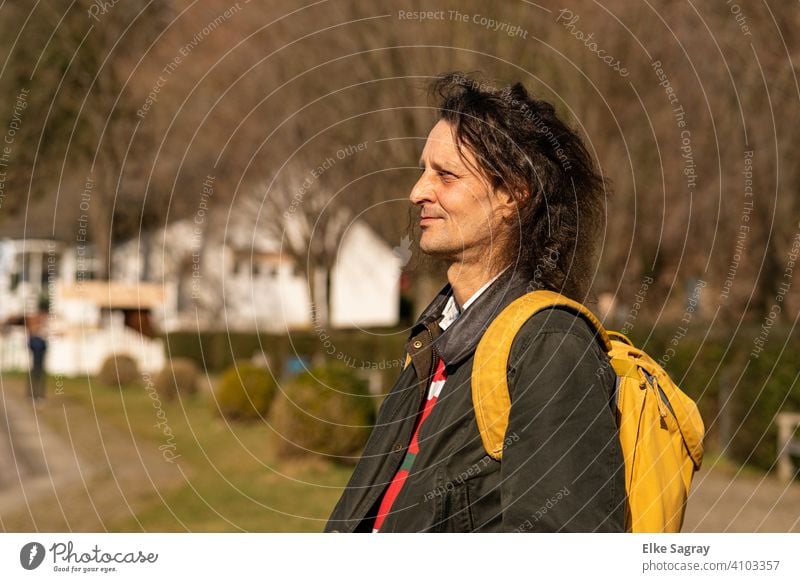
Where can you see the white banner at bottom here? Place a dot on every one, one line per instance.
(399, 557)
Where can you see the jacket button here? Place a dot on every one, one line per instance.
(417, 344)
(398, 447)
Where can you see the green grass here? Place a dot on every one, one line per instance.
(230, 478)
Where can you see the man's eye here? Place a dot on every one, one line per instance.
(445, 174)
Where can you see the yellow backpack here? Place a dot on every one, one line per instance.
(660, 428)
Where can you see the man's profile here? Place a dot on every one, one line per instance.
(510, 199)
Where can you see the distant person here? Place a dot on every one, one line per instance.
(37, 344)
(510, 198)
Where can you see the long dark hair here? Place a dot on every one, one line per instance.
(522, 145)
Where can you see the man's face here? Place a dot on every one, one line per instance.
(461, 218)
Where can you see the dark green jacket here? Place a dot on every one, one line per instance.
(562, 467)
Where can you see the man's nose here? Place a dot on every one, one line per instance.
(422, 191)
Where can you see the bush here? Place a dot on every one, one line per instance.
(768, 385)
(245, 391)
(179, 377)
(326, 411)
(118, 370)
(217, 350)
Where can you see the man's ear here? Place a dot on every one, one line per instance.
(506, 202)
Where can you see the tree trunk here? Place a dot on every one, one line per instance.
(100, 224)
(319, 288)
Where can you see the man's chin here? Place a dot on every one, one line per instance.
(438, 251)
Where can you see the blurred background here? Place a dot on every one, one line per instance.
(208, 266)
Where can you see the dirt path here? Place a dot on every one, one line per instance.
(62, 471)
(725, 500)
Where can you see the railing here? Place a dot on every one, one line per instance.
(79, 352)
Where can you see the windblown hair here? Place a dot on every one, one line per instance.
(521, 145)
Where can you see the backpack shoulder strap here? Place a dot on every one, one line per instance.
(490, 396)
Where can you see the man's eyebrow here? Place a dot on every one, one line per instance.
(434, 164)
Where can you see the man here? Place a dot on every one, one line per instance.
(37, 344)
(509, 197)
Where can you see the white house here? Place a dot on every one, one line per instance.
(239, 279)
(87, 320)
(180, 278)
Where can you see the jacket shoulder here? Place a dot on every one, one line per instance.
(558, 322)
(567, 342)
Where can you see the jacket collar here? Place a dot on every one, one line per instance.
(460, 339)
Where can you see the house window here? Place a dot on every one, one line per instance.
(87, 265)
(22, 266)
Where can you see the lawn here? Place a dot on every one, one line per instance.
(173, 466)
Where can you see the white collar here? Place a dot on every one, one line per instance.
(452, 311)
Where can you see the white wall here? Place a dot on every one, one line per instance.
(366, 281)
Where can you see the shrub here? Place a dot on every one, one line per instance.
(118, 370)
(326, 411)
(245, 391)
(216, 350)
(768, 385)
(179, 377)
